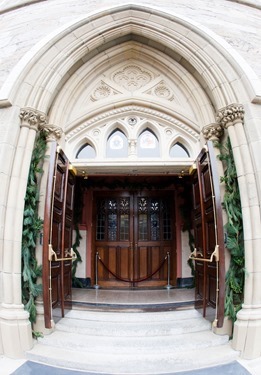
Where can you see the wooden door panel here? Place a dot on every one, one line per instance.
(119, 260)
(208, 229)
(58, 226)
(55, 280)
(141, 245)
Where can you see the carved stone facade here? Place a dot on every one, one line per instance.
(131, 68)
(32, 118)
(230, 115)
(213, 132)
(53, 133)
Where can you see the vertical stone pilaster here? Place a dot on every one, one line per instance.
(132, 148)
(247, 329)
(13, 318)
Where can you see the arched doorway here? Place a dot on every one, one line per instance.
(74, 118)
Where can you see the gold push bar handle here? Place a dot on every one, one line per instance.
(52, 254)
(215, 254)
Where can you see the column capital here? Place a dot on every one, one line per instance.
(230, 115)
(32, 118)
(52, 132)
(213, 132)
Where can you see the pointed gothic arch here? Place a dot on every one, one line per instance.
(41, 76)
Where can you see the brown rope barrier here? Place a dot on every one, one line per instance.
(134, 280)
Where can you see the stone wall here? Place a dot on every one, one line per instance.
(25, 23)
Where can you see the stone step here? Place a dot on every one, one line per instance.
(131, 345)
(134, 325)
(140, 363)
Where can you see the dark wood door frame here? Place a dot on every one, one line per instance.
(209, 236)
(137, 250)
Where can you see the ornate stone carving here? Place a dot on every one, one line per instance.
(132, 121)
(230, 115)
(161, 90)
(132, 109)
(132, 77)
(213, 132)
(32, 118)
(132, 146)
(102, 91)
(53, 133)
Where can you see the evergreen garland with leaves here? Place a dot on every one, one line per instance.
(32, 226)
(234, 229)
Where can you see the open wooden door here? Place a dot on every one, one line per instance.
(57, 235)
(209, 236)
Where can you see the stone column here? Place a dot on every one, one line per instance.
(15, 326)
(132, 148)
(53, 134)
(247, 328)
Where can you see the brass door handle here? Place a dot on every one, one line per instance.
(52, 254)
(215, 254)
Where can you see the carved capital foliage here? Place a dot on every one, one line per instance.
(213, 132)
(230, 115)
(53, 133)
(32, 118)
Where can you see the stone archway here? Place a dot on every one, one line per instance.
(44, 72)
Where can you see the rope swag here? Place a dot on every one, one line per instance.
(32, 226)
(134, 280)
(234, 228)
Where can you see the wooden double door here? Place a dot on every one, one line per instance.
(134, 238)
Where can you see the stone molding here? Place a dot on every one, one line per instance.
(213, 132)
(128, 109)
(230, 115)
(53, 132)
(32, 118)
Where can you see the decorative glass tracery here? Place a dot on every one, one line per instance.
(117, 145)
(154, 219)
(148, 144)
(113, 219)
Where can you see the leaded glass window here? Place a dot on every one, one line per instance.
(148, 144)
(117, 145)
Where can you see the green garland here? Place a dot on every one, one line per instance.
(32, 226)
(234, 230)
